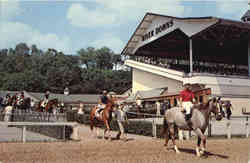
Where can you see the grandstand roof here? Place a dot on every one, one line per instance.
(247, 14)
(161, 35)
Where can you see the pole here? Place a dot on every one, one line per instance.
(191, 55)
(247, 128)
(24, 134)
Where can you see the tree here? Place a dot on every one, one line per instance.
(90, 71)
(22, 49)
(104, 58)
(87, 57)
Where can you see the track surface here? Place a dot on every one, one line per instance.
(137, 149)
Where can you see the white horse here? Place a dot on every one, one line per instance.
(200, 120)
(7, 113)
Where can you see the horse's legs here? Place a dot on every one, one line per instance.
(202, 137)
(104, 133)
(166, 138)
(198, 146)
(204, 140)
(166, 134)
(107, 129)
(172, 134)
(92, 127)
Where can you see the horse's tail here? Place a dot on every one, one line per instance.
(92, 119)
(165, 127)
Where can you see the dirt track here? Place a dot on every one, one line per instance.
(137, 149)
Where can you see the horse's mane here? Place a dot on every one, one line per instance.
(202, 106)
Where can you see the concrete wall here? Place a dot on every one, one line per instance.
(143, 80)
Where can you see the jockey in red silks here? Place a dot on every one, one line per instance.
(186, 101)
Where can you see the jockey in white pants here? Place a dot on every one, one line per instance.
(46, 99)
(186, 101)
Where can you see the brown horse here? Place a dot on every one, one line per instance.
(105, 117)
(200, 120)
(10, 101)
(48, 108)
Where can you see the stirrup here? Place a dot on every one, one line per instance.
(187, 117)
(184, 111)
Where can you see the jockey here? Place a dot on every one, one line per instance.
(20, 98)
(6, 99)
(103, 100)
(45, 99)
(186, 101)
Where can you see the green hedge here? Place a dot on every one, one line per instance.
(134, 127)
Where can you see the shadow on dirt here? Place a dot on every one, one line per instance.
(206, 154)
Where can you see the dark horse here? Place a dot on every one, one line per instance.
(24, 104)
(105, 117)
(50, 105)
(200, 120)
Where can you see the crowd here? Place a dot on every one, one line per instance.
(198, 66)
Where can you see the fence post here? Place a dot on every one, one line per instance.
(154, 129)
(228, 130)
(247, 128)
(63, 133)
(24, 134)
(74, 135)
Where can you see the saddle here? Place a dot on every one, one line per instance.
(99, 112)
(188, 116)
(43, 104)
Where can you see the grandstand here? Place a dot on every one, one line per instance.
(167, 51)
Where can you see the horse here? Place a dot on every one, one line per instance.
(105, 117)
(199, 122)
(49, 106)
(8, 110)
(11, 101)
(24, 104)
(225, 107)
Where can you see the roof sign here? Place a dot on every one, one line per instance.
(157, 30)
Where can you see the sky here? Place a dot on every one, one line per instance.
(69, 25)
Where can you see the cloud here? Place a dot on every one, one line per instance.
(13, 33)
(9, 9)
(232, 9)
(81, 16)
(137, 7)
(115, 12)
(115, 43)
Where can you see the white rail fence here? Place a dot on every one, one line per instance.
(236, 126)
(24, 125)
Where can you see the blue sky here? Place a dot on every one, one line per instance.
(69, 25)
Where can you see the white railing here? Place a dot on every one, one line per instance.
(237, 125)
(74, 125)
